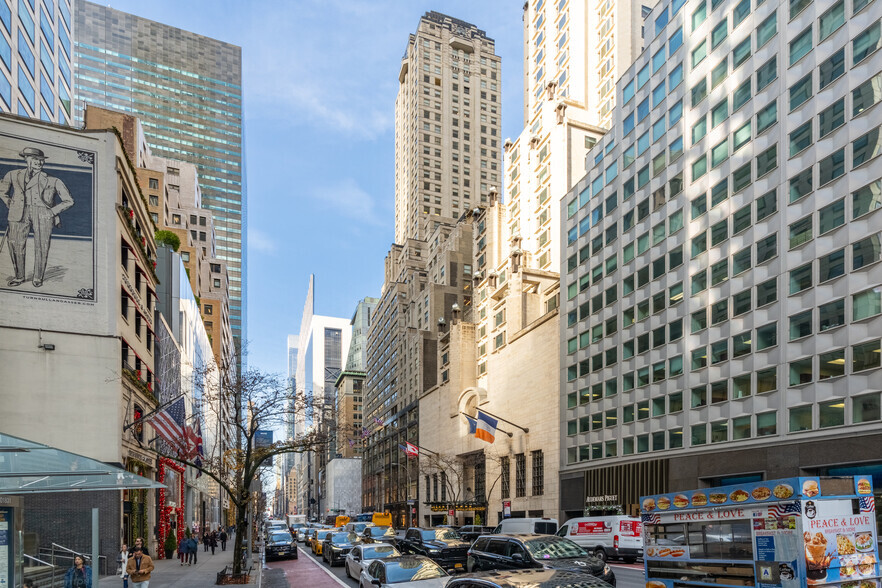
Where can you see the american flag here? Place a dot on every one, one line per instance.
(780, 510)
(868, 504)
(651, 519)
(169, 425)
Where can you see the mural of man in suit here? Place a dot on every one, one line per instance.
(30, 195)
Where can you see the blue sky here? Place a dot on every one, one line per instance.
(320, 79)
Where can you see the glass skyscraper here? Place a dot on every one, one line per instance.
(187, 91)
(35, 59)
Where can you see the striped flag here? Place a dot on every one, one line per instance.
(486, 427)
(650, 519)
(411, 450)
(169, 425)
(473, 424)
(780, 510)
(194, 442)
(868, 504)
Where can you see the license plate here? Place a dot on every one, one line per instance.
(459, 565)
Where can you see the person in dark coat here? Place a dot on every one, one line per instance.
(192, 550)
(212, 541)
(206, 540)
(223, 540)
(80, 575)
(138, 543)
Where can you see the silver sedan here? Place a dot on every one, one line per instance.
(413, 571)
(362, 555)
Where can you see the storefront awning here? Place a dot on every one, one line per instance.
(29, 467)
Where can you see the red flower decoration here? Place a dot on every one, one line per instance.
(131, 213)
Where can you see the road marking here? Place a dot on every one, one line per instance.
(327, 571)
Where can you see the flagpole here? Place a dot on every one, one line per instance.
(153, 412)
(525, 430)
(497, 428)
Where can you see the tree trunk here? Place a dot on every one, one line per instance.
(239, 545)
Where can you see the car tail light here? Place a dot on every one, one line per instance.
(616, 541)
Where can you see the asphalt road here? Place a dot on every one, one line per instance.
(627, 576)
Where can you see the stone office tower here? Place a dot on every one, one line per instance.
(187, 91)
(448, 113)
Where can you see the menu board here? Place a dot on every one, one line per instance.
(6, 547)
(839, 545)
(741, 494)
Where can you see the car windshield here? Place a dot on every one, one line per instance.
(444, 534)
(344, 537)
(359, 527)
(279, 537)
(412, 570)
(554, 547)
(379, 552)
(377, 531)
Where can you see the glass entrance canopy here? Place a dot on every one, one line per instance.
(29, 467)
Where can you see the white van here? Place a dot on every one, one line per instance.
(541, 526)
(616, 536)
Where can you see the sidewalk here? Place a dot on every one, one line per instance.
(169, 573)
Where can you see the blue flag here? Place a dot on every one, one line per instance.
(473, 424)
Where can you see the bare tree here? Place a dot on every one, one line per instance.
(453, 472)
(239, 405)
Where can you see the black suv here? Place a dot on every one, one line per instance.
(471, 532)
(337, 546)
(281, 544)
(512, 552)
(443, 546)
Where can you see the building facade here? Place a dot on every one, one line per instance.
(447, 123)
(36, 59)
(187, 91)
(78, 331)
(350, 383)
(722, 278)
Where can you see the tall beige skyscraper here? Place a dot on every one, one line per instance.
(447, 123)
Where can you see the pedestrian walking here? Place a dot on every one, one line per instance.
(80, 575)
(182, 550)
(122, 559)
(139, 542)
(223, 540)
(139, 568)
(206, 540)
(212, 541)
(29, 584)
(192, 549)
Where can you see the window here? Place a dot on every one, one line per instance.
(767, 336)
(797, 6)
(831, 216)
(767, 424)
(520, 475)
(801, 325)
(538, 472)
(831, 266)
(741, 345)
(767, 292)
(741, 136)
(801, 278)
(767, 161)
(832, 118)
(800, 92)
(741, 95)
(865, 43)
(801, 418)
(866, 95)
(866, 304)
(720, 153)
(700, 15)
(719, 33)
(866, 356)
(699, 92)
(699, 434)
(699, 130)
(766, 30)
(801, 371)
(766, 248)
(719, 73)
(699, 167)
(801, 45)
(719, 113)
(867, 199)
(801, 184)
(800, 138)
(699, 320)
(741, 53)
(831, 20)
(831, 167)
(866, 251)
(866, 408)
(832, 68)
(766, 73)
(866, 147)
(831, 315)
(765, 118)
(699, 358)
(700, 52)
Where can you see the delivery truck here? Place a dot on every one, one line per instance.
(789, 533)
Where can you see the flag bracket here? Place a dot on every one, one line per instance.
(524, 429)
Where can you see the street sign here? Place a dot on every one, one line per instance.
(506, 509)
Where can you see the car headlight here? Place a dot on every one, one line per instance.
(606, 570)
(434, 552)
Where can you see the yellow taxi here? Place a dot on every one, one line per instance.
(320, 537)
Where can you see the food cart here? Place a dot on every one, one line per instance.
(789, 533)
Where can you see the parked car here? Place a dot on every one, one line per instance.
(507, 552)
(378, 533)
(471, 532)
(406, 570)
(526, 579)
(362, 555)
(443, 546)
(281, 544)
(616, 536)
(337, 546)
(539, 526)
(319, 540)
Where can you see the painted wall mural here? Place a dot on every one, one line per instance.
(47, 219)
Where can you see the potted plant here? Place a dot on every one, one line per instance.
(170, 545)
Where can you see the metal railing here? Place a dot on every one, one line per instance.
(42, 575)
(65, 555)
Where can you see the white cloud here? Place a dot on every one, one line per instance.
(346, 198)
(258, 241)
